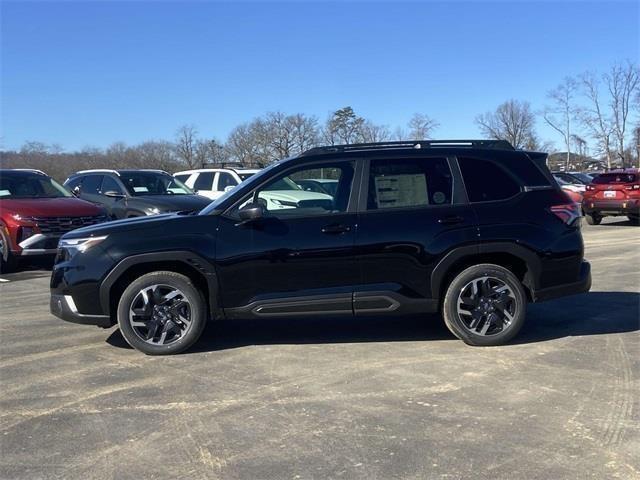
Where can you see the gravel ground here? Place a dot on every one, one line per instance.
(325, 398)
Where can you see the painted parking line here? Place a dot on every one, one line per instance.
(2, 280)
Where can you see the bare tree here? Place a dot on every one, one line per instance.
(371, 132)
(562, 111)
(421, 126)
(513, 121)
(623, 84)
(186, 139)
(595, 117)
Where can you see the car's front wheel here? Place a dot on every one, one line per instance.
(485, 305)
(162, 313)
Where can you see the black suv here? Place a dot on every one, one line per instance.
(471, 229)
(134, 193)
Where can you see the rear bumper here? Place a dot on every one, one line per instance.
(583, 285)
(611, 207)
(63, 306)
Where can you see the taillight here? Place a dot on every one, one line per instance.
(567, 212)
(590, 187)
(632, 187)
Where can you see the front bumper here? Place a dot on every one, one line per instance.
(583, 285)
(39, 244)
(611, 207)
(64, 307)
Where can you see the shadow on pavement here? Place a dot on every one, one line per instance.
(594, 313)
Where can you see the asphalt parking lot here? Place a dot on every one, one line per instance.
(375, 398)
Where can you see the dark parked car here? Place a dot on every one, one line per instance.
(134, 193)
(34, 213)
(471, 229)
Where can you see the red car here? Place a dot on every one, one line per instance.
(615, 193)
(34, 212)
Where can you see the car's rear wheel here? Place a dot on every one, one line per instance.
(593, 219)
(8, 261)
(485, 305)
(162, 313)
(634, 219)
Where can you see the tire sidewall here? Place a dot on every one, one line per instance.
(451, 298)
(193, 295)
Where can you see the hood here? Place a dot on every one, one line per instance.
(172, 203)
(51, 207)
(127, 224)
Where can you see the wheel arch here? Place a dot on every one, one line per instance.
(199, 270)
(523, 262)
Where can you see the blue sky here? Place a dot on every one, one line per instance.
(92, 73)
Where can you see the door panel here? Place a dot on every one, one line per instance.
(412, 216)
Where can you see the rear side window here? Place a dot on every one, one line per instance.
(485, 181)
(408, 183)
(606, 178)
(91, 184)
(204, 181)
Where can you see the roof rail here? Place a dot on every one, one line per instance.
(230, 165)
(97, 170)
(33, 170)
(416, 144)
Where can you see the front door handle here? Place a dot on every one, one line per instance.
(336, 228)
(452, 220)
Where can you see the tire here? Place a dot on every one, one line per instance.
(482, 321)
(593, 219)
(8, 261)
(173, 307)
(634, 219)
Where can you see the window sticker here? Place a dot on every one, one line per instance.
(407, 190)
(4, 193)
(439, 197)
(140, 189)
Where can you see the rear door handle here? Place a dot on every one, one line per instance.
(451, 220)
(336, 228)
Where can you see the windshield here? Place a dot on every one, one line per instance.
(153, 183)
(583, 177)
(606, 178)
(29, 185)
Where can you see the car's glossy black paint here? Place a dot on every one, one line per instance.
(386, 261)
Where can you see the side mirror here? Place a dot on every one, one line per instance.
(113, 194)
(252, 212)
(76, 191)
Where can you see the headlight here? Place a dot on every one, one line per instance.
(74, 246)
(153, 211)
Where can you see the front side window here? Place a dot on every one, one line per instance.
(204, 181)
(153, 183)
(409, 183)
(283, 197)
(226, 180)
(109, 184)
(91, 184)
(485, 181)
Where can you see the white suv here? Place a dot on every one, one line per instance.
(213, 182)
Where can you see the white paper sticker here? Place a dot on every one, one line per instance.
(140, 189)
(401, 190)
(4, 193)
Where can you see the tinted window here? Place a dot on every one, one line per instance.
(485, 181)
(226, 180)
(204, 181)
(183, 178)
(282, 196)
(615, 178)
(73, 184)
(29, 185)
(91, 184)
(411, 182)
(109, 184)
(153, 183)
